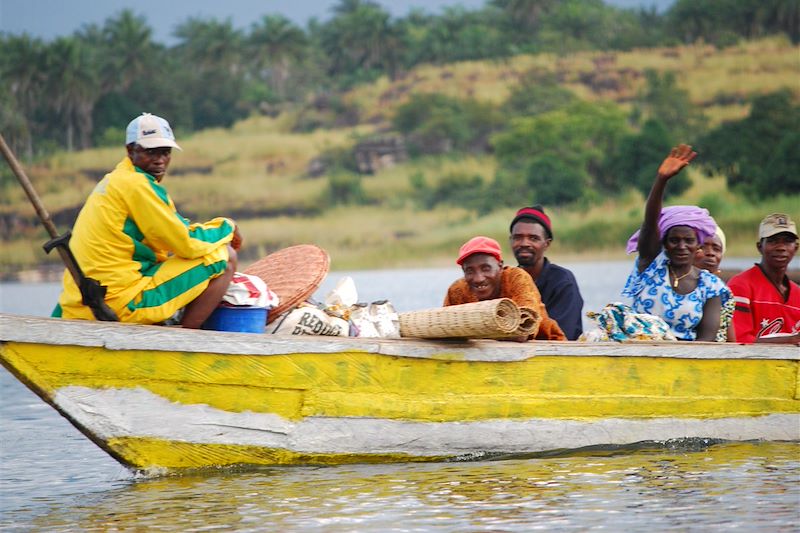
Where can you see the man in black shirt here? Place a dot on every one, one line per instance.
(531, 235)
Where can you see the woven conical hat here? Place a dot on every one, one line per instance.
(293, 273)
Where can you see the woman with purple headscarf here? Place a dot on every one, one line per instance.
(664, 281)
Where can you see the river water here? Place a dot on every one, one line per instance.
(52, 478)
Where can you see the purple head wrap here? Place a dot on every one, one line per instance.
(695, 217)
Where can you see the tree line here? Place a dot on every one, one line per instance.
(549, 143)
(74, 92)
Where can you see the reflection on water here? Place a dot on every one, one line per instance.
(746, 485)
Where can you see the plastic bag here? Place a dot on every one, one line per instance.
(341, 315)
(249, 290)
(359, 316)
(340, 301)
(373, 320)
(385, 319)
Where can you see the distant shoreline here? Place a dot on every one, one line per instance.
(53, 272)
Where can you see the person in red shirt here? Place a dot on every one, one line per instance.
(767, 301)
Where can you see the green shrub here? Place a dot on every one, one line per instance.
(341, 158)
(758, 154)
(663, 100)
(110, 137)
(457, 189)
(550, 181)
(561, 151)
(436, 123)
(537, 93)
(782, 173)
(638, 157)
(598, 234)
(326, 111)
(715, 204)
(345, 188)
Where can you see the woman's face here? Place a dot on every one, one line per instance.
(680, 245)
(709, 255)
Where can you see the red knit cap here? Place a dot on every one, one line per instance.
(535, 213)
(479, 245)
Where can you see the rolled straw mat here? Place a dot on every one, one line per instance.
(487, 319)
(292, 273)
(529, 321)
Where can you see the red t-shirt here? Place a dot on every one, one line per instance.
(760, 308)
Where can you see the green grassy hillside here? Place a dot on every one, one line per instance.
(257, 170)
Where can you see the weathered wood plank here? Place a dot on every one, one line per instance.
(114, 336)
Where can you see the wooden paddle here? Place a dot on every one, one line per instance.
(92, 292)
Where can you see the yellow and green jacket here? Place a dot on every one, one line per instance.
(124, 232)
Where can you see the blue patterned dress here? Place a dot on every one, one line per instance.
(652, 293)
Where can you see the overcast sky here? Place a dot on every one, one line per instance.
(52, 18)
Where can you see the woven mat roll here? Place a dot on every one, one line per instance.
(529, 320)
(487, 319)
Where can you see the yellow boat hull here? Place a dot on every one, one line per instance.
(169, 398)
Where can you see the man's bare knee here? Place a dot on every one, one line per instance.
(201, 307)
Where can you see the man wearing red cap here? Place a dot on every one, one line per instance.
(485, 278)
(531, 235)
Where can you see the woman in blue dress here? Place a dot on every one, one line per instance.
(664, 281)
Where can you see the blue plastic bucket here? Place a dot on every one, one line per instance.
(244, 319)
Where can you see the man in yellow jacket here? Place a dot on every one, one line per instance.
(131, 239)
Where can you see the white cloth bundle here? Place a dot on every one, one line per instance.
(250, 291)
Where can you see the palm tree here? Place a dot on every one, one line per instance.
(23, 78)
(526, 15)
(276, 43)
(348, 7)
(358, 38)
(784, 15)
(73, 87)
(209, 44)
(129, 49)
(211, 53)
(692, 20)
(444, 35)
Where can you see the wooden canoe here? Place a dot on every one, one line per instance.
(156, 397)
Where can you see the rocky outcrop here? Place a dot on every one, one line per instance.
(378, 153)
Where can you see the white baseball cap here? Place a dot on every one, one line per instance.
(150, 131)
